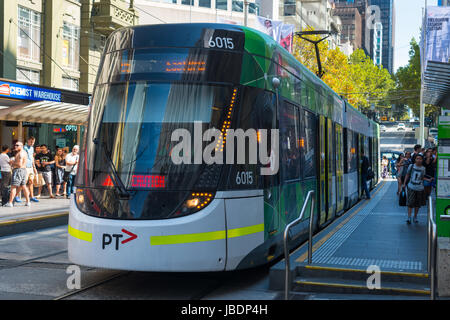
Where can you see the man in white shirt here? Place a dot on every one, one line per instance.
(71, 169)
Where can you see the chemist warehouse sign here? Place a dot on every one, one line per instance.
(19, 91)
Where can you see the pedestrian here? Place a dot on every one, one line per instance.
(364, 172)
(44, 160)
(415, 177)
(31, 166)
(60, 163)
(384, 166)
(430, 168)
(19, 174)
(71, 169)
(406, 163)
(5, 167)
(417, 149)
(399, 167)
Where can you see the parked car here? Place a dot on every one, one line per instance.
(401, 127)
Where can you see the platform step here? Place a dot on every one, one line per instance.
(350, 286)
(361, 274)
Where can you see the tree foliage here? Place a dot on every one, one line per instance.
(356, 78)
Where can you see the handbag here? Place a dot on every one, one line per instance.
(402, 198)
(39, 180)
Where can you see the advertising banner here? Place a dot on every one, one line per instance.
(281, 32)
(437, 37)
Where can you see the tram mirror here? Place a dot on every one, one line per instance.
(276, 82)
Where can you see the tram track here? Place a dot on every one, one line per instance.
(93, 285)
(29, 261)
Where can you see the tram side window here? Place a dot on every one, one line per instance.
(309, 140)
(289, 142)
(352, 163)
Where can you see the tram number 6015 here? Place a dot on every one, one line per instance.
(244, 177)
(220, 43)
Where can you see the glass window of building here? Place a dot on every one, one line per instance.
(204, 3)
(27, 75)
(238, 5)
(29, 34)
(289, 7)
(70, 83)
(221, 4)
(187, 2)
(71, 46)
(253, 8)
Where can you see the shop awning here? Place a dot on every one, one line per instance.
(436, 84)
(32, 103)
(46, 112)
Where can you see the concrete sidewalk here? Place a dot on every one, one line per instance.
(43, 214)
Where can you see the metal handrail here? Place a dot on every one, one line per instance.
(287, 284)
(432, 240)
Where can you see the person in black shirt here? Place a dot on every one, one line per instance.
(44, 161)
(417, 150)
(364, 172)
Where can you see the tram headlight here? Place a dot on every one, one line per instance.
(80, 197)
(197, 201)
(80, 200)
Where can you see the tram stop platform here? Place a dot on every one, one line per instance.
(43, 214)
(373, 234)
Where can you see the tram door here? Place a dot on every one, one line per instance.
(358, 158)
(322, 171)
(329, 159)
(339, 168)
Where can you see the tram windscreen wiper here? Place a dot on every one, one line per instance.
(123, 192)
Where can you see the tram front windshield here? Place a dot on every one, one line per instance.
(135, 128)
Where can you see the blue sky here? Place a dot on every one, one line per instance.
(408, 15)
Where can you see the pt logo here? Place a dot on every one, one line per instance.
(108, 238)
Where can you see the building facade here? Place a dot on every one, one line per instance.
(377, 53)
(192, 11)
(53, 44)
(387, 17)
(315, 14)
(352, 14)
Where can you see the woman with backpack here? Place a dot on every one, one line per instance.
(415, 176)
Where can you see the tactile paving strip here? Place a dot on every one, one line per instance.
(324, 254)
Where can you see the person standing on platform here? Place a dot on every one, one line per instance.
(60, 163)
(365, 164)
(5, 167)
(399, 167)
(19, 175)
(44, 160)
(31, 166)
(417, 150)
(415, 176)
(384, 166)
(71, 169)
